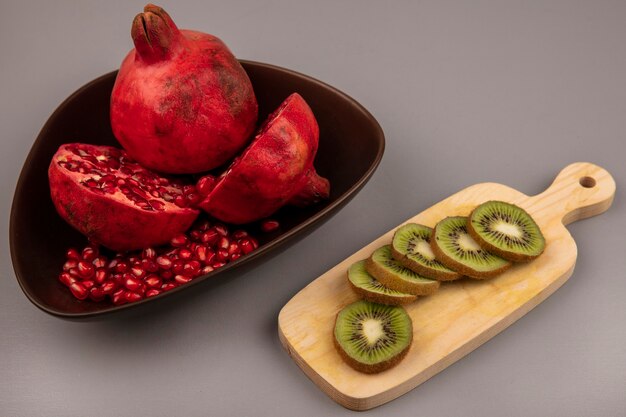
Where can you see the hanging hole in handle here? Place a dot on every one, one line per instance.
(587, 182)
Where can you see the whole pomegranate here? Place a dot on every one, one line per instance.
(114, 201)
(181, 102)
(276, 169)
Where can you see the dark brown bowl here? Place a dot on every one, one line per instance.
(351, 147)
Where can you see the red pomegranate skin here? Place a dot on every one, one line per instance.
(276, 169)
(181, 102)
(111, 218)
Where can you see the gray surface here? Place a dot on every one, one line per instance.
(506, 91)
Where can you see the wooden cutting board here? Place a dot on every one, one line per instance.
(462, 315)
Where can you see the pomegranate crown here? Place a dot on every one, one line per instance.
(155, 34)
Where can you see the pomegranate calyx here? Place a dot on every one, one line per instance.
(314, 189)
(155, 34)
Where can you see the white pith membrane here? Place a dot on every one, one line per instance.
(425, 250)
(508, 229)
(466, 243)
(373, 331)
(109, 171)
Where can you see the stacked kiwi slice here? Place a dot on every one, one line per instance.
(374, 334)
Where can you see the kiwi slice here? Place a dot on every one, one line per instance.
(455, 248)
(393, 275)
(369, 288)
(506, 230)
(411, 247)
(373, 337)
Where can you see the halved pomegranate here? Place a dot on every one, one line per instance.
(276, 169)
(114, 201)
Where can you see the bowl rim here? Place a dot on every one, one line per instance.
(271, 245)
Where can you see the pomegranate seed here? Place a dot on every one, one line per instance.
(100, 262)
(121, 267)
(66, 279)
(168, 286)
(96, 294)
(118, 297)
(89, 253)
(204, 225)
(148, 253)
(138, 272)
(246, 246)
(70, 264)
(178, 266)
(254, 242)
(201, 253)
(210, 237)
(164, 262)
(179, 240)
(195, 235)
(152, 292)
(193, 199)
(74, 272)
(102, 274)
(153, 281)
(182, 279)
(269, 226)
(207, 269)
(210, 257)
(233, 248)
(235, 256)
(188, 189)
(167, 274)
(223, 243)
(218, 264)
(131, 283)
(222, 255)
(88, 283)
(149, 265)
(240, 234)
(72, 254)
(205, 184)
(78, 290)
(180, 201)
(108, 287)
(221, 229)
(185, 253)
(132, 297)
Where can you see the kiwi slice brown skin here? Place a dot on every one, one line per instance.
(391, 280)
(413, 265)
(372, 368)
(382, 298)
(460, 267)
(508, 255)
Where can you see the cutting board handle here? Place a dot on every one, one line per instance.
(581, 190)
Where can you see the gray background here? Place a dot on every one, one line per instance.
(505, 91)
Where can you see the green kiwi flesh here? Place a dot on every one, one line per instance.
(371, 289)
(506, 230)
(455, 248)
(411, 247)
(372, 337)
(392, 274)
